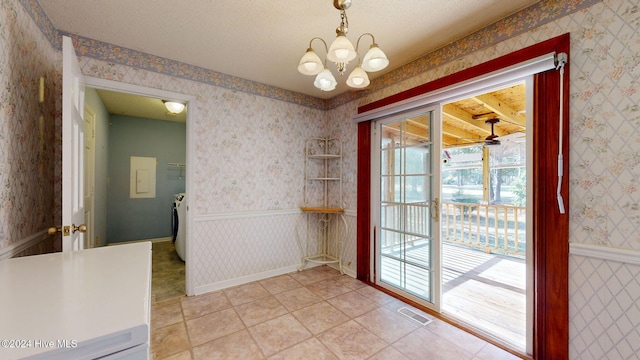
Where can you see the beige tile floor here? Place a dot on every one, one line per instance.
(313, 314)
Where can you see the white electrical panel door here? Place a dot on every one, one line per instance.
(142, 177)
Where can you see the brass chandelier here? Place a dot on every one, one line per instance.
(341, 52)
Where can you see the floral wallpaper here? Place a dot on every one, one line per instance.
(249, 141)
(605, 131)
(250, 152)
(27, 128)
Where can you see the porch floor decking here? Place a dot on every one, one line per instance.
(487, 291)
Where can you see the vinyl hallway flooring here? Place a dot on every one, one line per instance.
(167, 272)
(313, 314)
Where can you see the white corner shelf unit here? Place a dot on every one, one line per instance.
(325, 227)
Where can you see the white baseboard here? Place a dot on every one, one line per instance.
(345, 270)
(349, 272)
(14, 249)
(244, 279)
(257, 277)
(625, 256)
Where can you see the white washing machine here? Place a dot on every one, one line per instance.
(180, 206)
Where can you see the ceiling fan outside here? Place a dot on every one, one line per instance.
(492, 140)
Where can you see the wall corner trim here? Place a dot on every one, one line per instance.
(625, 256)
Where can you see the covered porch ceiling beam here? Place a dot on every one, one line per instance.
(502, 110)
(455, 113)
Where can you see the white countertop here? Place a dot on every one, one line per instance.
(75, 302)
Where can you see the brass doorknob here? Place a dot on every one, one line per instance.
(66, 231)
(54, 230)
(82, 228)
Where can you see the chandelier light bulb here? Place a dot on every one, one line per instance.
(375, 59)
(358, 78)
(342, 54)
(325, 80)
(310, 63)
(341, 50)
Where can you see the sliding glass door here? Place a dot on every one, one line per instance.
(406, 205)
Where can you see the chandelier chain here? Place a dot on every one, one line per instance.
(344, 23)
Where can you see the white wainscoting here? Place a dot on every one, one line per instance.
(236, 248)
(604, 290)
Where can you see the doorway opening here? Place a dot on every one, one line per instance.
(484, 214)
(133, 124)
(450, 190)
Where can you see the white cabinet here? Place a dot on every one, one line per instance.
(323, 227)
(84, 304)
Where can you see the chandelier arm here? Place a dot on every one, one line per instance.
(326, 49)
(373, 40)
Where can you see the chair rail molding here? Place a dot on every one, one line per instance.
(625, 256)
(17, 247)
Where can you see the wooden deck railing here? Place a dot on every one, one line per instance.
(492, 228)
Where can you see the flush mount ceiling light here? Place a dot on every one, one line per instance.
(173, 107)
(341, 52)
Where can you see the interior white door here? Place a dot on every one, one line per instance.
(73, 226)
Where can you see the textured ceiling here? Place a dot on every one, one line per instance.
(263, 40)
(118, 103)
